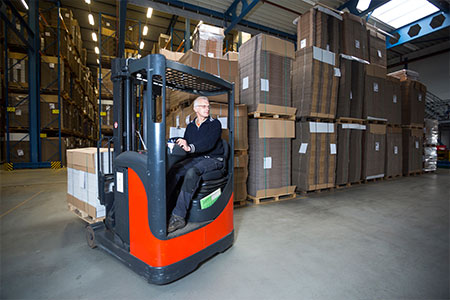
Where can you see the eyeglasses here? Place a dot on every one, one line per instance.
(203, 106)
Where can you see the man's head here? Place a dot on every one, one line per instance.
(201, 107)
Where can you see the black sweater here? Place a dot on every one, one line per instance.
(205, 140)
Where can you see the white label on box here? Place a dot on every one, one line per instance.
(264, 85)
(18, 112)
(379, 53)
(187, 120)
(337, 72)
(177, 122)
(375, 87)
(351, 95)
(332, 148)
(81, 180)
(119, 176)
(302, 43)
(395, 150)
(267, 162)
(51, 65)
(394, 98)
(357, 45)
(223, 121)
(319, 127)
(51, 105)
(377, 146)
(245, 83)
(17, 26)
(47, 33)
(130, 28)
(420, 97)
(303, 148)
(20, 152)
(417, 144)
(210, 54)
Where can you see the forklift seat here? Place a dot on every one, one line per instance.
(209, 182)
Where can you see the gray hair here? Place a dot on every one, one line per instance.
(200, 98)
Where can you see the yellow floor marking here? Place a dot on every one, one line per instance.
(20, 204)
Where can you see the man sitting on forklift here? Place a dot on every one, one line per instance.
(202, 142)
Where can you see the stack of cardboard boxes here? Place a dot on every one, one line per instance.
(430, 144)
(265, 86)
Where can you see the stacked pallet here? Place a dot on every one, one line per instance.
(430, 143)
(264, 68)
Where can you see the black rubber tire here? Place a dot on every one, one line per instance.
(90, 237)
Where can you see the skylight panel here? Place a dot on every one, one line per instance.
(398, 13)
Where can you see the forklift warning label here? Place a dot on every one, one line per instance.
(210, 199)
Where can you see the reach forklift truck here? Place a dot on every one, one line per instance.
(134, 193)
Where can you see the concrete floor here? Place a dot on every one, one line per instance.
(385, 240)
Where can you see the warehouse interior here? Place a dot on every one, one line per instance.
(336, 114)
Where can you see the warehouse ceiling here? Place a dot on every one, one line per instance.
(272, 16)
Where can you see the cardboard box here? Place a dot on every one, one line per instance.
(82, 182)
(351, 87)
(107, 114)
(354, 37)
(374, 151)
(19, 150)
(225, 69)
(49, 112)
(315, 80)
(349, 153)
(320, 27)
(240, 177)
(377, 46)
(50, 149)
(405, 74)
(394, 152)
(374, 93)
(49, 73)
(393, 103)
(413, 102)
(107, 84)
(231, 55)
(18, 110)
(171, 55)
(314, 156)
(269, 157)
(264, 66)
(18, 70)
(412, 150)
(208, 40)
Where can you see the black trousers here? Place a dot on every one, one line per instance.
(189, 170)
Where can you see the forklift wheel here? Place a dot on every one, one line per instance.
(90, 237)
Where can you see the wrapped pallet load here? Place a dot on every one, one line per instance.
(413, 102)
(351, 87)
(412, 150)
(374, 151)
(315, 80)
(208, 40)
(349, 153)
(377, 46)
(314, 156)
(354, 37)
(393, 103)
(374, 95)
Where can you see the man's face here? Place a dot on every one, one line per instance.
(202, 108)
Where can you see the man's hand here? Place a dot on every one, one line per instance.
(184, 145)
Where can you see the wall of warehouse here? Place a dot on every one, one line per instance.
(434, 72)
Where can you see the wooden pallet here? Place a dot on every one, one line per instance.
(350, 121)
(271, 199)
(318, 191)
(269, 115)
(392, 177)
(376, 121)
(316, 119)
(238, 204)
(373, 180)
(240, 152)
(83, 215)
(414, 173)
(394, 125)
(413, 126)
(348, 184)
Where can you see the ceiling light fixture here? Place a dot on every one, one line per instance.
(97, 51)
(94, 36)
(149, 12)
(98, 62)
(25, 4)
(87, 1)
(145, 30)
(141, 45)
(91, 19)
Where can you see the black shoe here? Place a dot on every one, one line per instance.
(175, 223)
